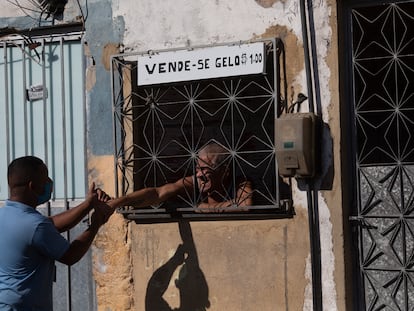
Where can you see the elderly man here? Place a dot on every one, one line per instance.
(217, 189)
(30, 242)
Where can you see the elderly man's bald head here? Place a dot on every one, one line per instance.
(213, 155)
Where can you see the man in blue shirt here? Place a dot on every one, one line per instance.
(30, 242)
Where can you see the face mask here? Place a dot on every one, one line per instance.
(47, 193)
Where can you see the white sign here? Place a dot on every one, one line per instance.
(203, 63)
(36, 92)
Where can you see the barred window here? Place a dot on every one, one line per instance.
(213, 139)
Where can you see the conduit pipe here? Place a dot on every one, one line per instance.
(312, 79)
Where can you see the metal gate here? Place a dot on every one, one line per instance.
(42, 113)
(381, 98)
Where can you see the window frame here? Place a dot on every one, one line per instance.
(123, 88)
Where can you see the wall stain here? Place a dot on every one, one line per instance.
(109, 50)
(294, 60)
(266, 3)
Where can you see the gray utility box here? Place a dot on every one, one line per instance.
(295, 144)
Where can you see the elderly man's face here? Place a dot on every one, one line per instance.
(209, 176)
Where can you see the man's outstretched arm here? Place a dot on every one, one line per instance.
(152, 195)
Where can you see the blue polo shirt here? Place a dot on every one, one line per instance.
(29, 245)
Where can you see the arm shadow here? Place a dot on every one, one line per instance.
(191, 282)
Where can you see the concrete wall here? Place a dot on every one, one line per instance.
(236, 265)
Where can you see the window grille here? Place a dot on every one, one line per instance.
(160, 129)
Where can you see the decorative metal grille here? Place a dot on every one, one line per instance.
(160, 128)
(383, 76)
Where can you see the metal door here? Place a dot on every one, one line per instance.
(380, 97)
(42, 113)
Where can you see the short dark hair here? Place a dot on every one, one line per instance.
(23, 169)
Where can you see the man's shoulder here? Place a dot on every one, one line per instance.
(21, 212)
(17, 204)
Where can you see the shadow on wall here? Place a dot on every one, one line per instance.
(325, 167)
(191, 282)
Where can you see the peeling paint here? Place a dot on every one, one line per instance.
(266, 3)
(101, 170)
(308, 303)
(98, 262)
(90, 75)
(327, 256)
(109, 50)
(113, 266)
(112, 248)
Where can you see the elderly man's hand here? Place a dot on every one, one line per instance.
(97, 194)
(102, 195)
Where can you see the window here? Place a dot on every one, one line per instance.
(162, 130)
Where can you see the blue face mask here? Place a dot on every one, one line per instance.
(46, 195)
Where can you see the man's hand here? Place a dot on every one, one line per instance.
(102, 212)
(95, 199)
(98, 200)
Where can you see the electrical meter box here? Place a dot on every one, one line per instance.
(295, 144)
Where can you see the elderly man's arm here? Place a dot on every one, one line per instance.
(152, 195)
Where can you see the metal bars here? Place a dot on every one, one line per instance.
(38, 125)
(50, 125)
(383, 115)
(159, 129)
